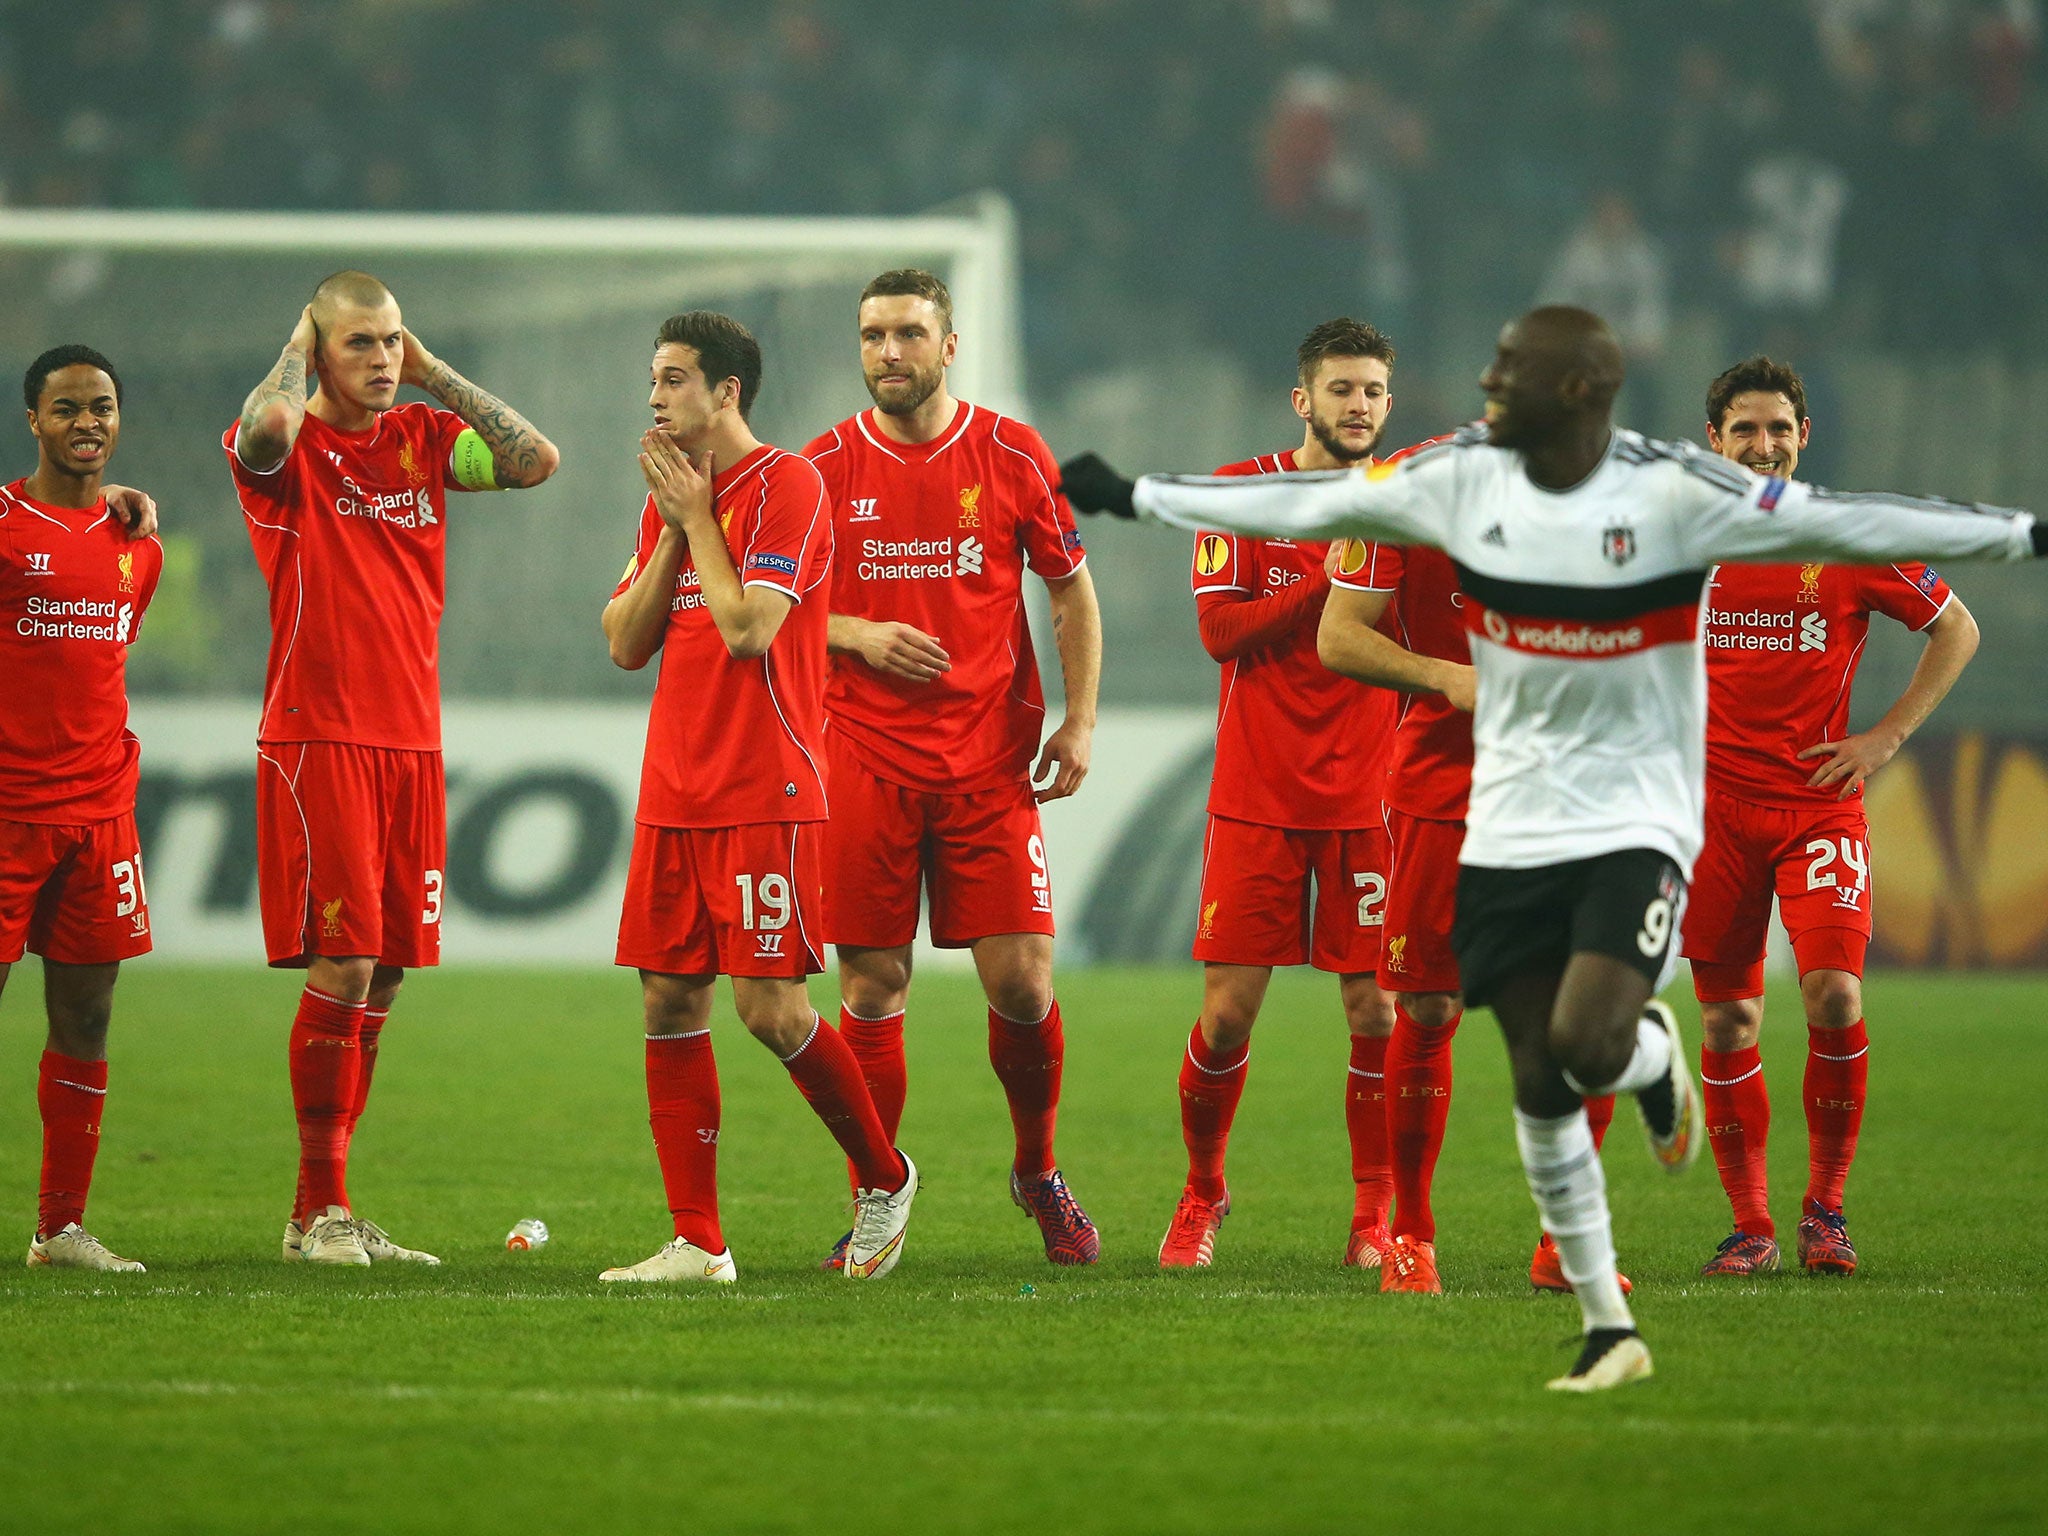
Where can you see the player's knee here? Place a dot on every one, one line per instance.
(670, 1008)
(1834, 999)
(1023, 995)
(783, 1025)
(1731, 1026)
(348, 977)
(1370, 1014)
(874, 983)
(1227, 1024)
(1432, 1010)
(1591, 1050)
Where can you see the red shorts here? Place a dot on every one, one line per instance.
(1817, 861)
(981, 856)
(724, 901)
(1416, 955)
(350, 845)
(1257, 907)
(72, 894)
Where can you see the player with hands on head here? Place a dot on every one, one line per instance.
(728, 583)
(1784, 815)
(935, 711)
(75, 577)
(1295, 859)
(1582, 552)
(345, 493)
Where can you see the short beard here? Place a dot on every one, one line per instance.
(1336, 447)
(921, 388)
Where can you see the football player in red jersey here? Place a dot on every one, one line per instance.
(1428, 782)
(934, 713)
(345, 496)
(728, 581)
(74, 581)
(1785, 814)
(1294, 864)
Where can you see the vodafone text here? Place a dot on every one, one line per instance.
(1561, 639)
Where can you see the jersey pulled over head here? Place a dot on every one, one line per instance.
(360, 352)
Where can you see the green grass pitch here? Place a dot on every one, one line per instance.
(978, 1389)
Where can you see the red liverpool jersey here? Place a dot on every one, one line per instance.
(936, 535)
(734, 742)
(1782, 646)
(72, 590)
(1297, 745)
(1431, 774)
(352, 536)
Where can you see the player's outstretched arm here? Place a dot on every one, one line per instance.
(520, 456)
(276, 408)
(1951, 642)
(1380, 503)
(748, 615)
(1348, 643)
(902, 650)
(1077, 636)
(1747, 518)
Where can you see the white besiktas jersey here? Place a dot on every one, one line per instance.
(1583, 607)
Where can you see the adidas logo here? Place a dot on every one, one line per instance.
(1495, 535)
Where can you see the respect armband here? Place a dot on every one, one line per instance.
(471, 462)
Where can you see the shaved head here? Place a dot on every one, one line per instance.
(1575, 343)
(347, 290)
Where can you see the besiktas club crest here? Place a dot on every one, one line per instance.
(1618, 543)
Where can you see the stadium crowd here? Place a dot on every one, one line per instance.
(1159, 159)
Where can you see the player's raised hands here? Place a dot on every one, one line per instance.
(681, 490)
(1063, 761)
(306, 335)
(418, 362)
(134, 510)
(1849, 761)
(901, 650)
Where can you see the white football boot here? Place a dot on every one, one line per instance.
(294, 1236)
(680, 1259)
(331, 1238)
(879, 1220)
(1612, 1357)
(378, 1245)
(1674, 1119)
(72, 1247)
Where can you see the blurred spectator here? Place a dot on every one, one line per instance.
(1610, 266)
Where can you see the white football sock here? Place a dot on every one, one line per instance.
(1650, 1064)
(1570, 1188)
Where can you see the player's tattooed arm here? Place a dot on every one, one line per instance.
(1845, 764)
(900, 649)
(520, 455)
(1077, 636)
(276, 408)
(1349, 644)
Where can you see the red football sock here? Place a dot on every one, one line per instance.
(1365, 1120)
(683, 1111)
(1211, 1083)
(829, 1079)
(1738, 1126)
(70, 1093)
(1418, 1108)
(366, 1060)
(1027, 1059)
(324, 1071)
(877, 1044)
(1599, 1115)
(1837, 1076)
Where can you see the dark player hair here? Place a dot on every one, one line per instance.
(914, 283)
(1340, 338)
(67, 356)
(1754, 374)
(725, 350)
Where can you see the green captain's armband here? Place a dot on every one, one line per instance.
(471, 462)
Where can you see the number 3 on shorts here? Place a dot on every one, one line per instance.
(433, 912)
(1656, 927)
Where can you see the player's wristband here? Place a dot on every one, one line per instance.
(471, 461)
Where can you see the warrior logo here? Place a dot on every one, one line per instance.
(970, 507)
(864, 509)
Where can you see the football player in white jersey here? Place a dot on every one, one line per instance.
(1583, 553)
